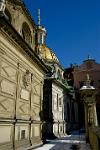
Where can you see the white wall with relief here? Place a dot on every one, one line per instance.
(20, 92)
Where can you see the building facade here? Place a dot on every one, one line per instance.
(55, 89)
(28, 71)
(21, 79)
(53, 110)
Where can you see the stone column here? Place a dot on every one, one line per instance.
(95, 121)
(86, 121)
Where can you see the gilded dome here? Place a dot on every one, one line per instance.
(47, 54)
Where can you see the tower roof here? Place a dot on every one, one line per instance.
(89, 59)
(48, 54)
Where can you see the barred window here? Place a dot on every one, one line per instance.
(60, 103)
(22, 134)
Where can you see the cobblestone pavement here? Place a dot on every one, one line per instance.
(71, 142)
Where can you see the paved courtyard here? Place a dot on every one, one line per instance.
(70, 142)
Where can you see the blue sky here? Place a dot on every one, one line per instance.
(73, 28)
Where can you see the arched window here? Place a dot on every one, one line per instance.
(8, 15)
(26, 33)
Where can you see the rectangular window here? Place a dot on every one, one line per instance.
(22, 134)
(60, 102)
(60, 128)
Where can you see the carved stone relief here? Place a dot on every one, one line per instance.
(26, 79)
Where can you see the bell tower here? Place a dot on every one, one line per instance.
(41, 31)
(40, 36)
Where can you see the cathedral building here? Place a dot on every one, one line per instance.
(54, 89)
(32, 88)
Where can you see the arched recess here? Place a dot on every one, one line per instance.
(8, 15)
(26, 33)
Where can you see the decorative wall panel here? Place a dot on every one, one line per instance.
(8, 87)
(5, 133)
(23, 107)
(6, 107)
(8, 71)
(36, 88)
(35, 112)
(36, 131)
(36, 99)
(25, 94)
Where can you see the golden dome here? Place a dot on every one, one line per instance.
(47, 54)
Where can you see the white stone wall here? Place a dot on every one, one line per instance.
(58, 109)
(21, 95)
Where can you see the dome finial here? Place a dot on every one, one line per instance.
(39, 19)
(89, 57)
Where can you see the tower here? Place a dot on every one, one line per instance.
(41, 35)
